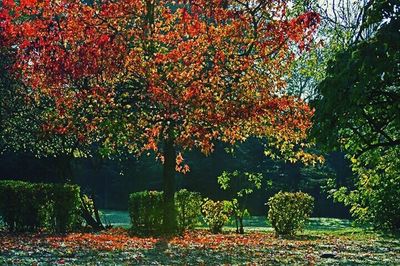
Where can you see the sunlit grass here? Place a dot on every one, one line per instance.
(315, 226)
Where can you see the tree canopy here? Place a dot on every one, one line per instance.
(199, 73)
(169, 75)
(358, 111)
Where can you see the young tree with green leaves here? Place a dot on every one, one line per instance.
(241, 186)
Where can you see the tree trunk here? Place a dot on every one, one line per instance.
(169, 217)
(64, 169)
(86, 213)
(65, 175)
(241, 230)
(237, 224)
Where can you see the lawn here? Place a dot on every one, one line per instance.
(324, 242)
(258, 223)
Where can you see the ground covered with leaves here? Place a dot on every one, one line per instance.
(116, 247)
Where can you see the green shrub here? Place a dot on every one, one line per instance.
(146, 210)
(288, 212)
(28, 206)
(20, 205)
(216, 214)
(188, 205)
(374, 197)
(66, 207)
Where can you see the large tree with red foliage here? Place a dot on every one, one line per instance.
(174, 75)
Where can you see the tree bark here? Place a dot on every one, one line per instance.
(65, 175)
(237, 224)
(64, 169)
(86, 213)
(241, 230)
(169, 217)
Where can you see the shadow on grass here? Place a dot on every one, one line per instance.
(165, 254)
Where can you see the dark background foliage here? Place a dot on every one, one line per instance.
(111, 181)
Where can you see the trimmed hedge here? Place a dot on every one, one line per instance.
(288, 212)
(28, 206)
(146, 210)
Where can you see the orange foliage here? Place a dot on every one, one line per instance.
(195, 71)
(108, 241)
(119, 239)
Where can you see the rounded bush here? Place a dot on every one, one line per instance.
(288, 212)
(188, 205)
(216, 214)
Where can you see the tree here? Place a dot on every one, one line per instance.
(358, 111)
(340, 27)
(6, 94)
(23, 121)
(25, 127)
(241, 186)
(175, 75)
(31, 122)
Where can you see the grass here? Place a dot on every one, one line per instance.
(253, 223)
(324, 241)
(115, 218)
(315, 226)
